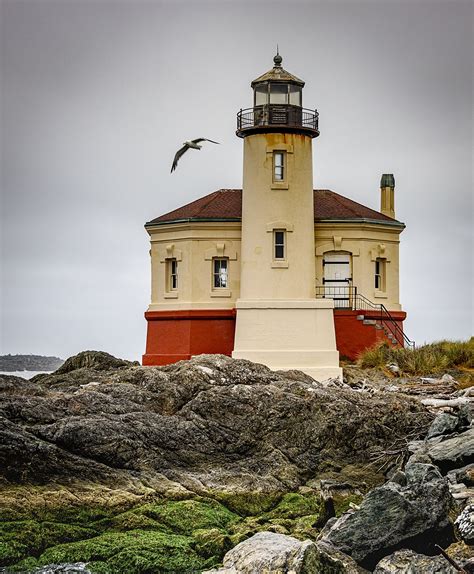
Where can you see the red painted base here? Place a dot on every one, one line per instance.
(353, 337)
(176, 335)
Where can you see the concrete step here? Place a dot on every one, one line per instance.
(360, 317)
(379, 326)
(369, 321)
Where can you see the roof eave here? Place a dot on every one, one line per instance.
(192, 220)
(393, 223)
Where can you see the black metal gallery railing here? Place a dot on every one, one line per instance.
(347, 297)
(277, 115)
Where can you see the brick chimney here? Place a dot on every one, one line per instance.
(387, 193)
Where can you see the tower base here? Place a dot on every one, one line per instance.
(288, 334)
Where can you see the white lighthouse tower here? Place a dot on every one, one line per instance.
(280, 323)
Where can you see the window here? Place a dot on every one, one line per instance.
(295, 95)
(279, 251)
(380, 274)
(279, 166)
(220, 275)
(278, 93)
(261, 95)
(172, 274)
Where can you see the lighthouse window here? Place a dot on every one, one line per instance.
(220, 273)
(295, 95)
(278, 93)
(172, 274)
(261, 95)
(278, 166)
(279, 244)
(380, 274)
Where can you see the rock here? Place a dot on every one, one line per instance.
(409, 562)
(465, 524)
(209, 424)
(329, 560)
(464, 475)
(454, 452)
(443, 424)
(272, 553)
(415, 516)
(394, 369)
(98, 360)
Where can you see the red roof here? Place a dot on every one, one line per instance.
(226, 205)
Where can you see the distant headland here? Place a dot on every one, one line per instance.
(12, 363)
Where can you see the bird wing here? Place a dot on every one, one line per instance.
(178, 156)
(203, 140)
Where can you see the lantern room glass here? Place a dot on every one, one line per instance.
(278, 93)
(261, 95)
(295, 95)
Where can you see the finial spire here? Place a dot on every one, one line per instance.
(278, 59)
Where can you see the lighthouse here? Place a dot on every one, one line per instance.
(279, 321)
(277, 272)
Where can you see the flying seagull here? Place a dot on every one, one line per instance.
(188, 144)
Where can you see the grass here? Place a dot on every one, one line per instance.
(431, 359)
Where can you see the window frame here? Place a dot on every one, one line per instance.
(216, 276)
(276, 245)
(276, 154)
(172, 276)
(380, 274)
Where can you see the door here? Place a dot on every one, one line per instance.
(337, 278)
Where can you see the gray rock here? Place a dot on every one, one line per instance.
(464, 475)
(454, 452)
(271, 553)
(330, 560)
(443, 424)
(409, 562)
(414, 516)
(211, 423)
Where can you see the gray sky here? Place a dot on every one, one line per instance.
(96, 96)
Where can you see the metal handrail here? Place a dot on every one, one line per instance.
(277, 115)
(347, 297)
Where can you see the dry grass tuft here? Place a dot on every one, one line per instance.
(430, 359)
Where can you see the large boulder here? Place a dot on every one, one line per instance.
(98, 360)
(413, 515)
(444, 423)
(453, 452)
(269, 552)
(211, 424)
(409, 562)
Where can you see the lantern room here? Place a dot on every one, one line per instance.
(277, 104)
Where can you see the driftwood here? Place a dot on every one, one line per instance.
(453, 563)
(447, 402)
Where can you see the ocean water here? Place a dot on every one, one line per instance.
(25, 374)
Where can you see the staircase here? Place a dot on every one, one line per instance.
(371, 314)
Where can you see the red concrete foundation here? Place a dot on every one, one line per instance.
(177, 335)
(353, 337)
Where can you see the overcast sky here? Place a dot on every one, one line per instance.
(96, 96)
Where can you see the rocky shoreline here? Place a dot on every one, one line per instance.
(180, 468)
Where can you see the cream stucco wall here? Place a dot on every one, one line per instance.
(365, 242)
(194, 244)
(269, 206)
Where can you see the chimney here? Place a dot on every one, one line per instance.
(387, 193)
